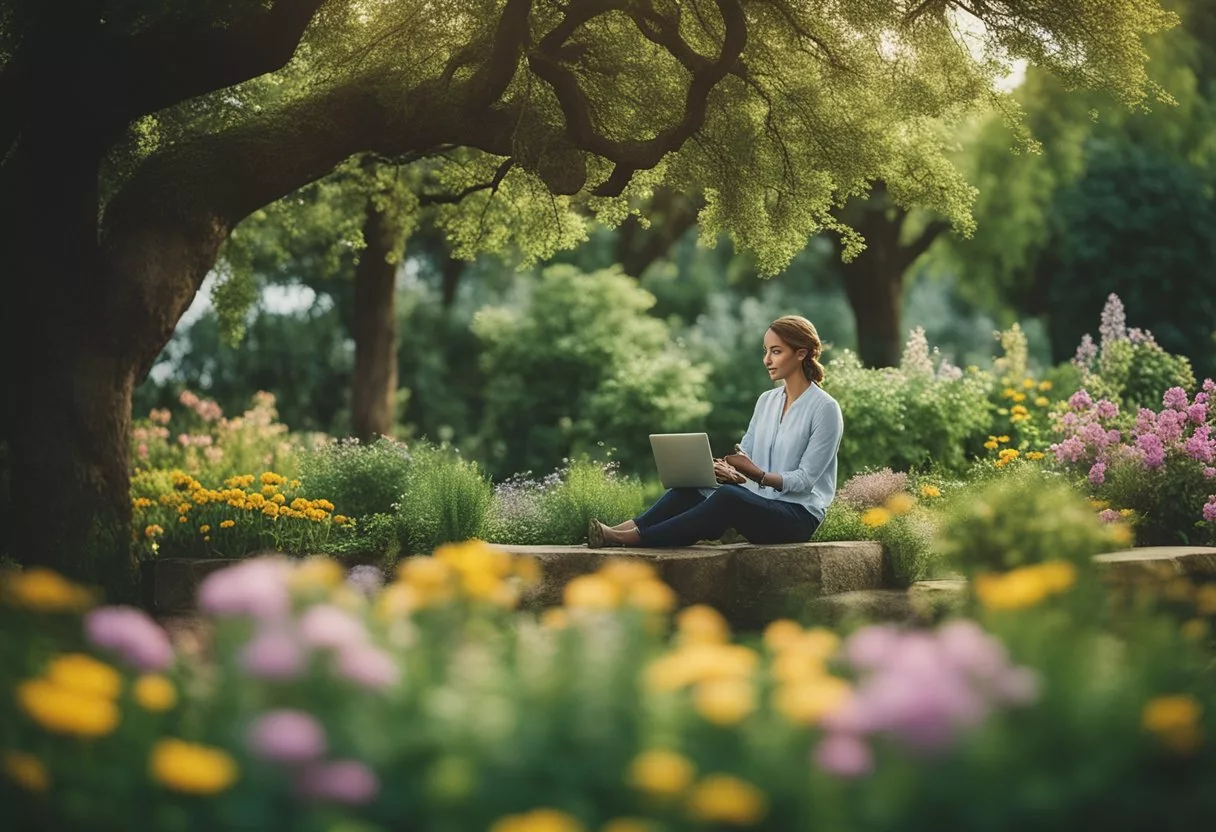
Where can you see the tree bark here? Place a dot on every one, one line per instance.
(373, 399)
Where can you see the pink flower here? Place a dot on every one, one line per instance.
(1154, 452)
(188, 399)
(1198, 412)
(1080, 400)
(870, 647)
(1175, 399)
(143, 450)
(1107, 409)
(325, 625)
(1209, 509)
(844, 755)
(1108, 515)
(273, 653)
(256, 588)
(286, 736)
(967, 647)
(342, 781)
(1209, 472)
(367, 666)
(132, 634)
(1097, 473)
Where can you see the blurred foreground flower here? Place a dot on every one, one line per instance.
(191, 769)
(1175, 721)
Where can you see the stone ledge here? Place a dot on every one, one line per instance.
(1159, 563)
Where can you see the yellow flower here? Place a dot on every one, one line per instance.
(1045, 385)
(183, 519)
(431, 578)
(538, 820)
(339, 519)
(722, 798)
(1175, 721)
(227, 524)
(1009, 392)
(62, 710)
(271, 478)
(270, 510)
(930, 491)
(591, 592)
(555, 618)
(256, 500)
(1026, 586)
(192, 769)
(1019, 413)
(990, 444)
(806, 702)
(1018, 397)
(1057, 575)
(626, 825)
(204, 528)
(661, 773)
(154, 692)
(42, 590)
(84, 675)
(184, 508)
(26, 770)
(651, 596)
(702, 624)
(793, 666)
(1042, 401)
(724, 702)
(278, 499)
(1008, 453)
(1028, 383)
(875, 517)
(269, 490)
(317, 572)
(1126, 512)
(324, 505)
(526, 567)
(1122, 535)
(818, 644)
(900, 503)
(1205, 599)
(627, 571)
(1035, 455)
(1002, 438)
(781, 633)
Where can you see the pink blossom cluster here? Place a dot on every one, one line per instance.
(197, 440)
(922, 689)
(283, 642)
(131, 634)
(205, 409)
(150, 434)
(296, 739)
(159, 416)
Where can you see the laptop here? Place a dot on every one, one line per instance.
(684, 460)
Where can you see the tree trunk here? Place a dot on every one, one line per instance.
(875, 291)
(373, 399)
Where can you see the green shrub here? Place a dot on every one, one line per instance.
(445, 500)
(372, 537)
(363, 479)
(556, 510)
(904, 529)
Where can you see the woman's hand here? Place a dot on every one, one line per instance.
(741, 463)
(727, 473)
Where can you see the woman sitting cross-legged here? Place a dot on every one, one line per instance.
(781, 479)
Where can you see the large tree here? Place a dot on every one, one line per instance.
(136, 135)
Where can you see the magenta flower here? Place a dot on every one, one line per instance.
(1080, 400)
(341, 781)
(286, 736)
(273, 654)
(1198, 412)
(1108, 515)
(327, 626)
(1209, 472)
(844, 755)
(1097, 473)
(367, 666)
(1209, 509)
(1107, 409)
(1150, 446)
(132, 634)
(256, 588)
(1175, 399)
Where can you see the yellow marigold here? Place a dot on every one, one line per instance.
(723, 798)
(324, 505)
(62, 710)
(1028, 383)
(1045, 384)
(626, 571)
(702, 624)
(1009, 453)
(591, 592)
(204, 528)
(26, 770)
(141, 502)
(43, 590)
(930, 491)
(475, 556)
(154, 693)
(807, 701)
(278, 499)
(724, 702)
(900, 503)
(1018, 397)
(991, 445)
(227, 524)
(781, 633)
(256, 500)
(651, 596)
(192, 769)
(183, 519)
(153, 530)
(1042, 401)
(270, 510)
(1009, 392)
(299, 504)
(184, 508)
(525, 567)
(340, 519)
(538, 820)
(661, 773)
(202, 496)
(1035, 455)
(1002, 438)
(271, 478)
(84, 675)
(875, 517)
(269, 490)
(1174, 719)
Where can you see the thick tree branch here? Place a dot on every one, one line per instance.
(452, 199)
(922, 242)
(510, 40)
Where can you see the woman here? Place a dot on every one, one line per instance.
(781, 479)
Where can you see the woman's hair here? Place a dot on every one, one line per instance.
(800, 334)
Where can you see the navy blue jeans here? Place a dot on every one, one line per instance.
(682, 516)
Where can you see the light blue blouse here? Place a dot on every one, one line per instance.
(801, 447)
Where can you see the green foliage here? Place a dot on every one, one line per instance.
(373, 536)
(365, 479)
(556, 510)
(907, 416)
(1022, 518)
(906, 537)
(446, 499)
(1167, 501)
(578, 364)
(1137, 374)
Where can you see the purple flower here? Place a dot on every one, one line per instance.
(1199, 445)
(1209, 509)
(1080, 400)
(844, 755)
(342, 781)
(1198, 412)
(368, 666)
(286, 736)
(1114, 321)
(1209, 472)
(132, 634)
(966, 646)
(1097, 473)
(1108, 515)
(1107, 409)
(366, 578)
(1071, 449)
(1087, 352)
(256, 588)
(1170, 424)
(871, 647)
(273, 653)
(1209, 386)
(1154, 452)
(1175, 399)
(325, 625)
